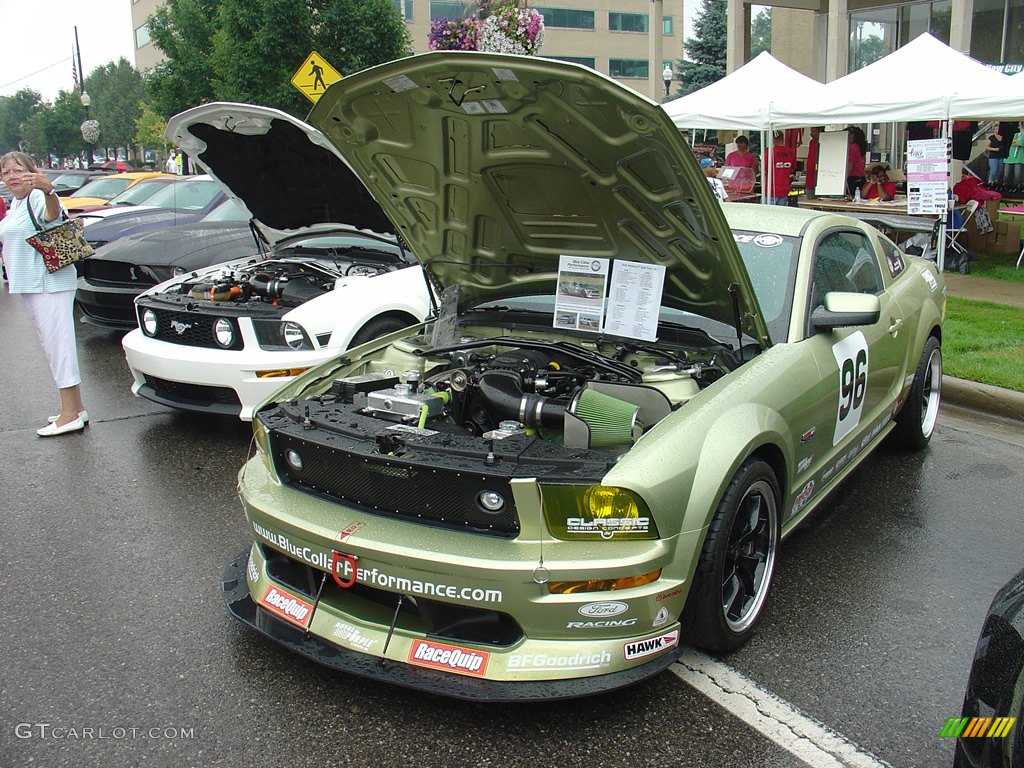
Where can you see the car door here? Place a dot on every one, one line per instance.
(859, 369)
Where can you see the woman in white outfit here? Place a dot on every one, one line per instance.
(49, 297)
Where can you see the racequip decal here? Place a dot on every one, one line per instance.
(851, 355)
(450, 658)
(343, 569)
(547, 661)
(640, 648)
(605, 608)
(288, 607)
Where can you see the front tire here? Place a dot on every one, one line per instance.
(737, 563)
(915, 422)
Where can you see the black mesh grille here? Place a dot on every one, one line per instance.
(109, 312)
(395, 488)
(192, 329)
(117, 273)
(192, 394)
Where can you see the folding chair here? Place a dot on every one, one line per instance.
(953, 232)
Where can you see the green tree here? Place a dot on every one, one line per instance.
(55, 128)
(183, 30)
(705, 53)
(14, 111)
(761, 32)
(248, 50)
(116, 90)
(867, 50)
(150, 128)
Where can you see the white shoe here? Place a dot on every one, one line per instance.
(51, 430)
(83, 415)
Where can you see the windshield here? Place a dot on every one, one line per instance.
(137, 193)
(104, 188)
(69, 180)
(229, 210)
(771, 262)
(186, 195)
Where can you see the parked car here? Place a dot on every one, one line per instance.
(540, 495)
(111, 279)
(135, 195)
(100, 190)
(221, 340)
(990, 730)
(114, 166)
(64, 182)
(183, 202)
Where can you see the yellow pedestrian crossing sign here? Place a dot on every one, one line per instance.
(314, 76)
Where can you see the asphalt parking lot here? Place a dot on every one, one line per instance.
(119, 651)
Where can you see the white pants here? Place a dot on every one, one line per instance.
(53, 315)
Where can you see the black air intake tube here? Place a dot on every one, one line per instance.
(281, 288)
(503, 391)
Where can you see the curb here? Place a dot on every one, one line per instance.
(996, 401)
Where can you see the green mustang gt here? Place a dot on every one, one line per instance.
(626, 397)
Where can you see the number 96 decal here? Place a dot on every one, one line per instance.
(852, 357)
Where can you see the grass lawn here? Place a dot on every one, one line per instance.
(998, 266)
(983, 342)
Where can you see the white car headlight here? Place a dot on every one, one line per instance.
(149, 322)
(293, 335)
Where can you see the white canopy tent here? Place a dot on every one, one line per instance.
(923, 80)
(743, 99)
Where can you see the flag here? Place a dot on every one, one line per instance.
(74, 69)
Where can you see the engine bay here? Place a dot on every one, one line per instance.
(271, 286)
(484, 392)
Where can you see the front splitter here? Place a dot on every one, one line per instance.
(242, 607)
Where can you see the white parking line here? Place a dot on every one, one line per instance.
(815, 744)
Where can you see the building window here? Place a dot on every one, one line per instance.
(141, 36)
(404, 8)
(627, 22)
(441, 9)
(586, 62)
(638, 68)
(566, 18)
(877, 32)
(666, 26)
(997, 31)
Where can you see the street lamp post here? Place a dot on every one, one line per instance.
(666, 75)
(90, 128)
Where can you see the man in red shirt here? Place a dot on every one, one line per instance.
(812, 160)
(783, 165)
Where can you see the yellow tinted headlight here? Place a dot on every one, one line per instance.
(602, 585)
(593, 512)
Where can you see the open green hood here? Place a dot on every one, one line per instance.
(492, 166)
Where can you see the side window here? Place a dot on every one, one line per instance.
(844, 261)
(893, 257)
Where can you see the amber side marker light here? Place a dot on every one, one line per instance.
(280, 373)
(602, 585)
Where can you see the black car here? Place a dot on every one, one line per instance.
(990, 730)
(183, 202)
(109, 281)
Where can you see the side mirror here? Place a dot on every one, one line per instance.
(843, 310)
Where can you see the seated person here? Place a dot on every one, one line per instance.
(742, 157)
(878, 187)
(712, 175)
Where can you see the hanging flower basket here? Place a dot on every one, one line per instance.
(512, 30)
(453, 34)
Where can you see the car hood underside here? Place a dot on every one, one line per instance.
(493, 166)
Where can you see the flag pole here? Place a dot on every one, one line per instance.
(81, 72)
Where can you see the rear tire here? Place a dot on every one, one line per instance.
(379, 326)
(737, 563)
(915, 422)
